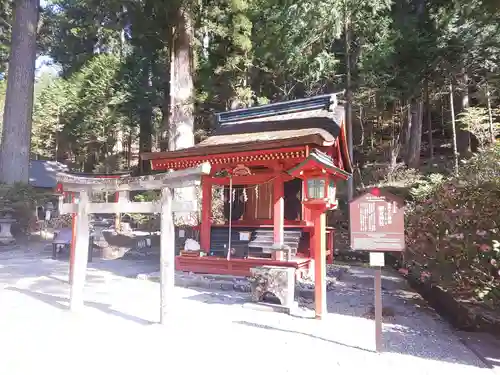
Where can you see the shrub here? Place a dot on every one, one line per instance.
(21, 200)
(453, 228)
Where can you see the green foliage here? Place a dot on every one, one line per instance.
(5, 29)
(148, 222)
(427, 187)
(148, 196)
(96, 100)
(3, 88)
(20, 201)
(293, 54)
(48, 117)
(20, 196)
(73, 30)
(80, 115)
(476, 120)
(453, 229)
(483, 169)
(255, 51)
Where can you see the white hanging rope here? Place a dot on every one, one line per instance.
(230, 216)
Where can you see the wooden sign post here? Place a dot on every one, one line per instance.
(376, 223)
(165, 182)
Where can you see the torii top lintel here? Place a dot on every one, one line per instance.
(175, 179)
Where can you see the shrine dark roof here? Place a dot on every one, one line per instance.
(321, 128)
(316, 127)
(314, 121)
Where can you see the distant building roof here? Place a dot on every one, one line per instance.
(43, 173)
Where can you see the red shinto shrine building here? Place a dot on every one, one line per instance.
(281, 162)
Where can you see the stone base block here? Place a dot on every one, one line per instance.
(270, 281)
(7, 240)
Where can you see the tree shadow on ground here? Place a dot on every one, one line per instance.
(219, 297)
(411, 327)
(268, 327)
(63, 304)
(484, 346)
(394, 341)
(125, 267)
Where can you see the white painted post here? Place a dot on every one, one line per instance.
(81, 253)
(167, 256)
(123, 196)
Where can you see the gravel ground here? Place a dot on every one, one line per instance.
(210, 331)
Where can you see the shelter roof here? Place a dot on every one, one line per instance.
(43, 173)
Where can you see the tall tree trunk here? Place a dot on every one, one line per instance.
(454, 131)
(428, 119)
(413, 155)
(407, 130)
(397, 122)
(146, 112)
(441, 105)
(361, 127)
(165, 72)
(181, 124)
(463, 135)
(348, 94)
(16, 132)
(490, 114)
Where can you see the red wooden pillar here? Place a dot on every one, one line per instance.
(206, 213)
(278, 215)
(320, 306)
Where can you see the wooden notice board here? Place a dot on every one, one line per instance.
(377, 222)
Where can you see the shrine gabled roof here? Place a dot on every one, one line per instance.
(318, 128)
(312, 121)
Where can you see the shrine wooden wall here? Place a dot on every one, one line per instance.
(255, 203)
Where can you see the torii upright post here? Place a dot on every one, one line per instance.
(164, 181)
(167, 254)
(81, 252)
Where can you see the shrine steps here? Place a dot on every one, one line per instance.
(260, 243)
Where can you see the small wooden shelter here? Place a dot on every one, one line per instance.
(253, 153)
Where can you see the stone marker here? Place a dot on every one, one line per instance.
(277, 281)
